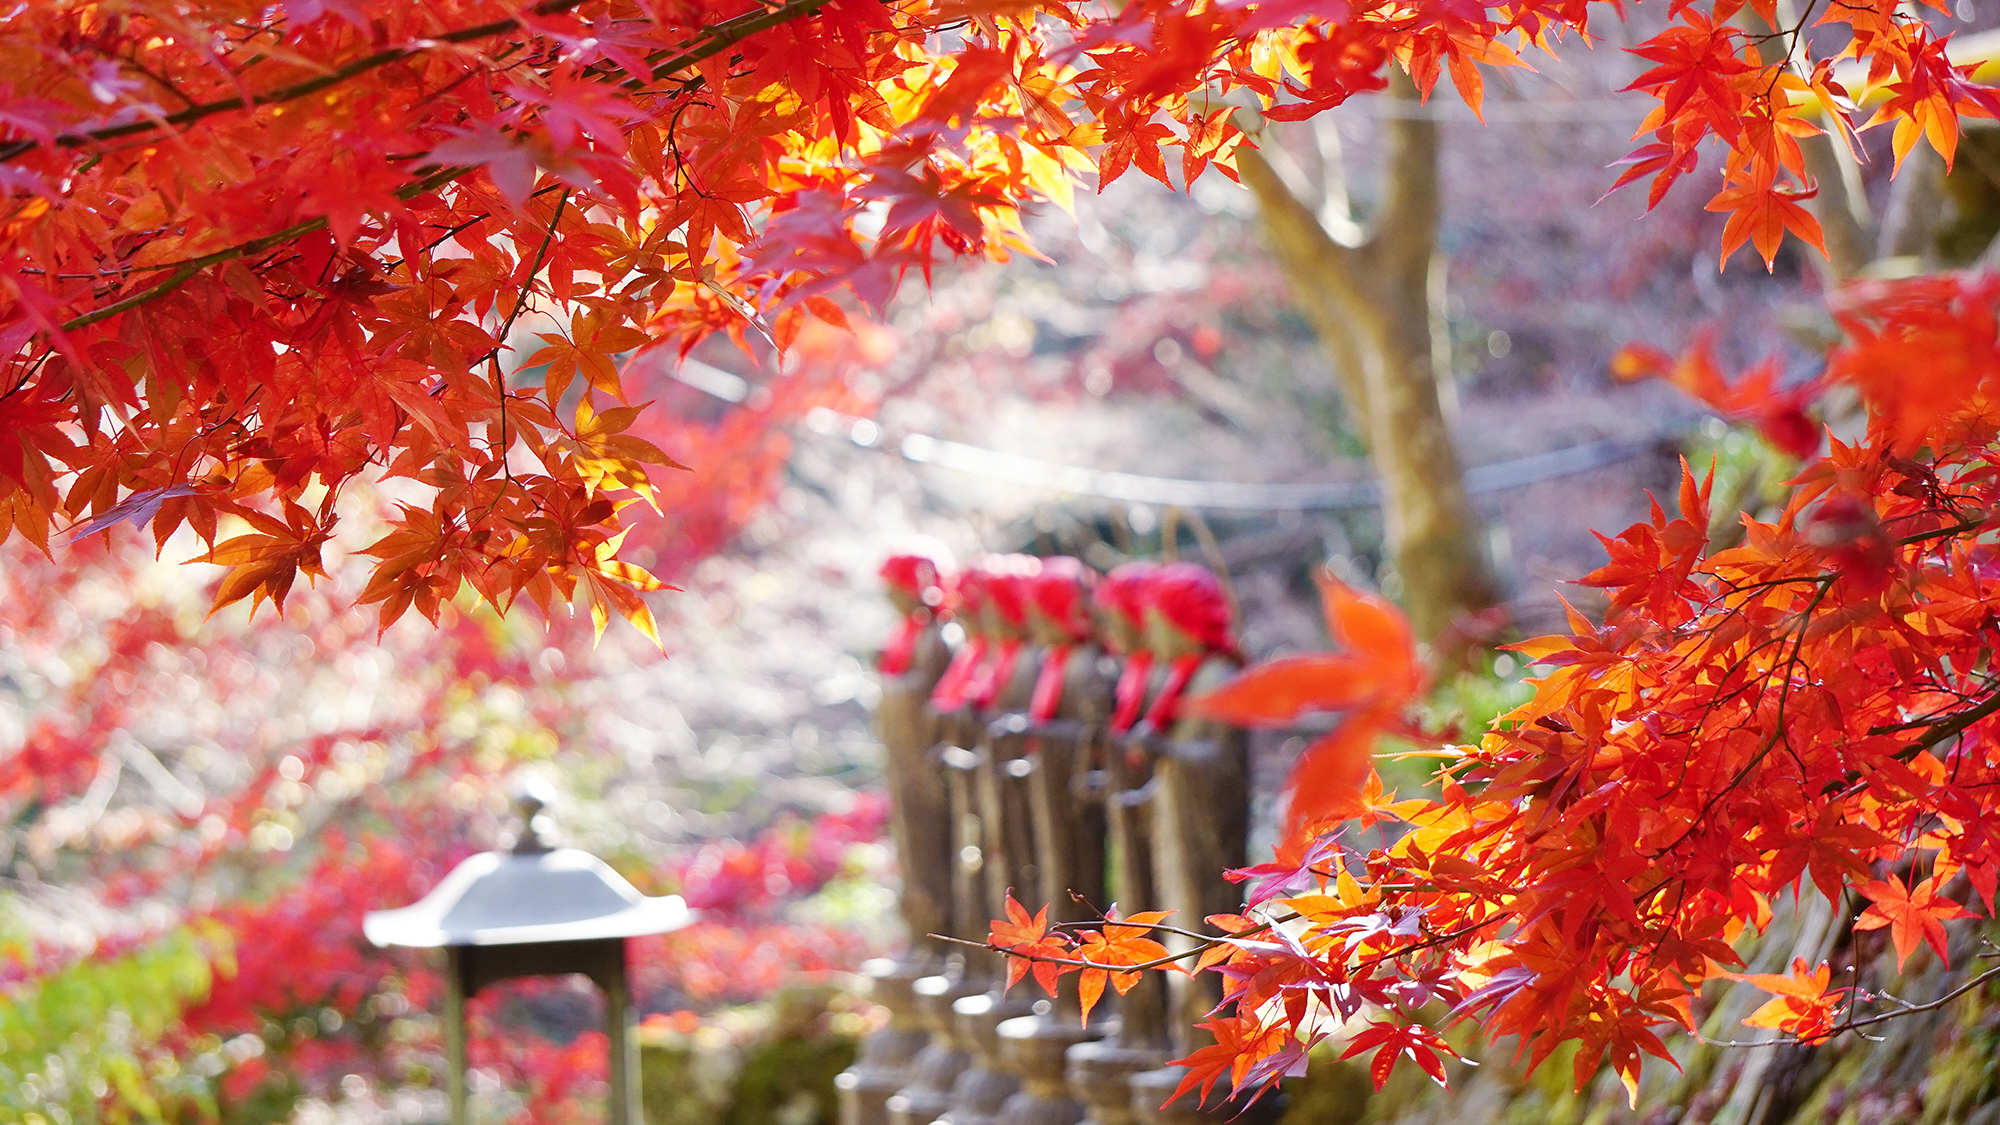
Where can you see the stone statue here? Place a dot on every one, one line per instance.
(910, 664)
(1201, 806)
(1098, 1072)
(1002, 694)
(956, 722)
(1066, 715)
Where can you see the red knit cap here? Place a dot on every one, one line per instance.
(1123, 590)
(1061, 594)
(965, 596)
(1004, 578)
(1192, 598)
(913, 573)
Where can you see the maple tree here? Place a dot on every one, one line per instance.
(1373, 299)
(1810, 709)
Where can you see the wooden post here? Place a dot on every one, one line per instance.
(937, 1067)
(999, 778)
(454, 1034)
(623, 1104)
(1068, 831)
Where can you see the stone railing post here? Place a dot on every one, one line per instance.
(920, 825)
(1069, 829)
(1099, 1072)
(1008, 864)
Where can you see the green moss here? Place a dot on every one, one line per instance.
(1974, 196)
(1550, 1096)
(789, 1081)
(1967, 1074)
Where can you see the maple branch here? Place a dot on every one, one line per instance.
(527, 287)
(1081, 963)
(711, 40)
(731, 31)
(192, 266)
(294, 91)
(1444, 938)
(1942, 532)
(1908, 1009)
(1162, 927)
(719, 38)
(1955, 725)
(499, 382)
(174, 281)
(1778, 730)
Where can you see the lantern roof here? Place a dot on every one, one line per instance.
(530, 894)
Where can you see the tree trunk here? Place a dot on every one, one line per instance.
(1841, 208)
(1915, 209)
(1370, 307)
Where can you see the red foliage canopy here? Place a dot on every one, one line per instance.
(250, 257)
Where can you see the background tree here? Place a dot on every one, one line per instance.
(1371, 295)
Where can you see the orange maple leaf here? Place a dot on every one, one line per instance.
(1373, 680)
(1023, 938)
(1240, 1041)
(1761, 214)
(1912, 914)
(1805, 1006)
(1121, 941)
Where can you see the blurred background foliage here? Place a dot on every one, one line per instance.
(195, 811)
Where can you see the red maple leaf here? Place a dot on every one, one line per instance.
(1416, 1042)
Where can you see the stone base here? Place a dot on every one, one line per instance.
(1099, 1075)
(978, 1097)
(1152, 1088)
(932, 1078)
(883, 1065)
(936, 1068)
(1035, 1047)
(981, 1091)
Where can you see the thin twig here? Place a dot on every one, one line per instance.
(1907, 1010)
(1081, 963)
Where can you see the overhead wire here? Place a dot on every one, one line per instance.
(1138, 488)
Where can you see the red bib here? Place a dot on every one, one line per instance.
(1131, 697)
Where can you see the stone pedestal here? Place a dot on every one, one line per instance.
(1035, 1047)
(1151, 1089)
(882, 1066)
(983, 1088)
(1099, 1076)
(936, 1068)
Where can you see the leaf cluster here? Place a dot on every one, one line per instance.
(1810, 710)
(248, 258)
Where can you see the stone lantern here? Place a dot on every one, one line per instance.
(533, 910)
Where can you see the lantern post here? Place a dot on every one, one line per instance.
(534, 910)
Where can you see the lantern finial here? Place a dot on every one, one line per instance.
(531, 796)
